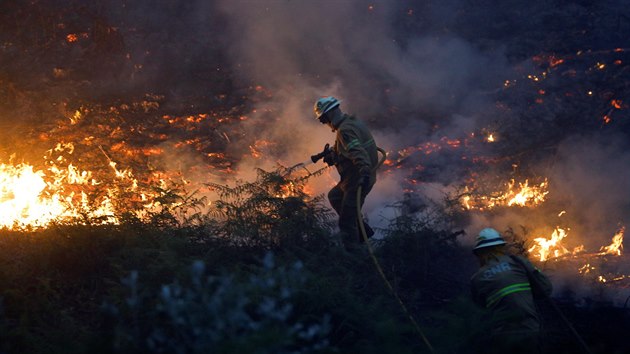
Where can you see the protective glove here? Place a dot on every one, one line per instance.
(331, 158)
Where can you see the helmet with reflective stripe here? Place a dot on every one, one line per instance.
(324, 105)
(488, 237)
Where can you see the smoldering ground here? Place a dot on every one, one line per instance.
(416, 72)
(423, 83)
(411, 87)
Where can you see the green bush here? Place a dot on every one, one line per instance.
(220, 314)
(311, 296)
(271, 212)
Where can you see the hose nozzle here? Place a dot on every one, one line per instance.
(322, 154)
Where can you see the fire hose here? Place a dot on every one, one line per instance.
(568, 324)
(325, 153)
(378, 265)
(547, 297)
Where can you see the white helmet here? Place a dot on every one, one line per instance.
(488, 237)
(324, 105)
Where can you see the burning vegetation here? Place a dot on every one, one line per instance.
(115, 123)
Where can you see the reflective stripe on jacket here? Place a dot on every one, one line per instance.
(510, 289)
(355, 148)
(503, 288)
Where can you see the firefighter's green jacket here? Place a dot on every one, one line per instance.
(355, 149)
(502, 286)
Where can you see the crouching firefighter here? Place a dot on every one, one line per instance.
(355, 156)
(505, 285)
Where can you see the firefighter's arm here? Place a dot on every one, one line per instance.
(356, 151)
(542, 280)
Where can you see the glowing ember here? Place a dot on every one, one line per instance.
(553, 61)
(288, 190)
(490, 138)
(71, 38)
(259, 146)
(74, 37)
(585, 269)
(533, 77)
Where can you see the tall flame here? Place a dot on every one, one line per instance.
(20, 189)
(617, 244)
(547, 248)
(31, 197)
(34, 198)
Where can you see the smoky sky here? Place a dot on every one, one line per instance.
(404, 81)
(417, 73)
(357, 47)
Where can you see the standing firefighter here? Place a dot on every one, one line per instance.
(502, 286)
(355, 155)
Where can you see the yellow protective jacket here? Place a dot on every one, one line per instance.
(502, 286)
(355, 149)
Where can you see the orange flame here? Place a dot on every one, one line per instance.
(607, 119)
(547, 248)
(527, 195)
(31, 197)
(27, 199)
(524, 196)
(617, 244)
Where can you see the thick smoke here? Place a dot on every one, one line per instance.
(591, 178)
(415, 85)
(410, 87)
(417, 72)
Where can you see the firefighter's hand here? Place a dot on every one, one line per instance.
(331, 158)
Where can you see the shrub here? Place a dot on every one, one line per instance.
(220, 314)
(273, 211)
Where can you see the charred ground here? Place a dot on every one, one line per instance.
(135, 81)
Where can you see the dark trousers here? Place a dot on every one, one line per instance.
(511, 342)
(343, 198)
